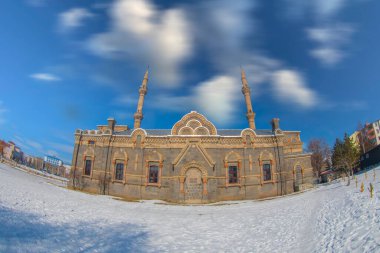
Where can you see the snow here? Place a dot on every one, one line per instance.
(39, 214)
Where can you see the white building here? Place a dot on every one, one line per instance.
(53, 160)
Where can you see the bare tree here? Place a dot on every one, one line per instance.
(321, 155)
(78, 182)
(103, 183)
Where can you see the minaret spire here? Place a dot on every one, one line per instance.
(247, 95)
(142, 91)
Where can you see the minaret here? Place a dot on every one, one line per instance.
(142, 91)
(247, 95)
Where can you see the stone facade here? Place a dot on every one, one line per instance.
(193, 162)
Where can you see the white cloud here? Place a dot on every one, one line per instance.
(327, 8)
(45, 77)
(289, 86)
(127, 100)
(166, 38)
(218, 98)
(330, 39)
(73, 18)
(222, 29)
(328, 34)
(321, 9)
(328, 56)
(140, 31)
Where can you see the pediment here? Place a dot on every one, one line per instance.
(194, 151)
(194, 123)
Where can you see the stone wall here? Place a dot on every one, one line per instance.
(176, 155)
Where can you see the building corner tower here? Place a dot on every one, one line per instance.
(138, 116)
(247, 95)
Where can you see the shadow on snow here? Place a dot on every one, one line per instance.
(25, 232)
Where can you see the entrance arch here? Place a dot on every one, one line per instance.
(193, 186)
(193, 182)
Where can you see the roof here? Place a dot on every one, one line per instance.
(221, 132)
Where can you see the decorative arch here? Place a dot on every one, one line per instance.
(191, 165)
(154, 155)
(89, 151)
(248, 135)
(193, 123)
(232, 156)
(138, 137)
(120, 156)
(266, 155)
(266, 159)
(201, 130)
(153, 158)
(89, 154)
(233, 161)
(248, 131)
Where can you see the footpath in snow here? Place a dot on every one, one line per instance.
(39, 215)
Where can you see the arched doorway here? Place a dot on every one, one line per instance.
(193, 186)
(193, 183)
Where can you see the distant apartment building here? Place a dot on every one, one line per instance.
(376, 126)
(38, 163)
(3, 144)
(53, 160)
(371, 133)
(54, 165)
(368, 137)
(12, 152)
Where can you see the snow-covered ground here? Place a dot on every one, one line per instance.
(39, 215)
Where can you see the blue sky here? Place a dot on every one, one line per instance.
(72, 64)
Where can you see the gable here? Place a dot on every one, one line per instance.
(194, 123)
(191, 152)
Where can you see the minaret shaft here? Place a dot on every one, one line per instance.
(138, 116)
(247, 95)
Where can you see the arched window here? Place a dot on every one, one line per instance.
(153, 174)
(87, 166)
(267, 171)
(232, 165)
(232, 174)
(138, 141)
(119, 170)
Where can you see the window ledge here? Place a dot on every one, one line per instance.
(234, 185)
(154, 184)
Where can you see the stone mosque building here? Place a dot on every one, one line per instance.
(193, 162)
